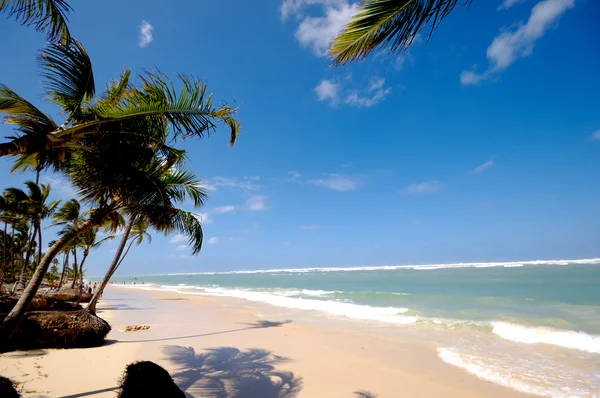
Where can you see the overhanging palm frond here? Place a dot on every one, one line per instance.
(189, 113)
(383, 23)
(181, 184)
(46, 15)
(32, 123)
(70, 79)
(114, 91)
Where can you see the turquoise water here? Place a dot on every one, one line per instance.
(531, 326)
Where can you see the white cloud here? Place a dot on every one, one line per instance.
(329, 91)
(317, 33)
(181, 248)
(294, 174)
(146, 34)
(178, 238)
(374, 95)
(204, 218)
(424, 188)
(513, 44)
(506, 4)
(59, 186)
(225, 209)
(310, 226)
(257, 203)
(213, 241)
(336, 182)
(596, 136)
(482, 167)
(295, 7)
(245, 183)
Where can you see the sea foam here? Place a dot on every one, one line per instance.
(533, 335)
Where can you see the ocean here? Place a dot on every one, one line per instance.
(531, 326)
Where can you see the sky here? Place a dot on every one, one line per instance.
(479, 144)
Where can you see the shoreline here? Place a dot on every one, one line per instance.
(196, 337)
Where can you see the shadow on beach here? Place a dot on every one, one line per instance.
(253, 325)
(227, 372)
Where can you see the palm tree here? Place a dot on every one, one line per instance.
(69, 216)
(114, 149)
(121, 109)
(395, 24)
(135, 232)
(88, 241)
(48, 16)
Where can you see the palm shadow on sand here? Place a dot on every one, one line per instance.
(227, 372)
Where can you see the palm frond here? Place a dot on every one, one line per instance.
(69, 75)
(114, 91)
(181, 184)
(388, 23)
(189, 113)
(46, 15)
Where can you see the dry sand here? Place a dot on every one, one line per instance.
(251, 351)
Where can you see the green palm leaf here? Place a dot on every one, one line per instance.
(388, 23)
(70, 79)
(45, 15)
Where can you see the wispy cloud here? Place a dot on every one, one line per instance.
(596, 136)
(294, 174)
(224, 209)
(181, 248)
(245, 183)
(213, 241)
(178, 238)
(424, 188)
(415, 222)
(204, 218)
(146, 36)
(483, 167)
(257, 203)
(376, 93)
(59, 186)
(513, 44)
(333, 92)
(506, 4)
(317, 32)
(328, 91)
(310, 226)
(336, 182)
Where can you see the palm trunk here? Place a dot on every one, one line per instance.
(85, 254)
(64, 270)
(113, 267)
(39, 228)
(20, 285)
(4, 258)
(12, 245)
(75, 273)
(12, 320)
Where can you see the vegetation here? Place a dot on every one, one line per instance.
(48, 16)
(116, 148)
(392, 24)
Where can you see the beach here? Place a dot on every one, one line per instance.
(250, 349)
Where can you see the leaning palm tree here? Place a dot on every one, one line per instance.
(48, 16)
(114, 149)
(392, 24)
(69, 216)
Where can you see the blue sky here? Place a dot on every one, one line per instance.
(482, 144)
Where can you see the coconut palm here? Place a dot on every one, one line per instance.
(114, 148)
(89, 241)
(135, 232)
(69, 216)
(121, 109)
(394, 24)
(48, 16)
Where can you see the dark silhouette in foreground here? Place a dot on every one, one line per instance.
(146, 379)
(7, 389)
(364, 394)
(228, 372)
